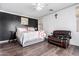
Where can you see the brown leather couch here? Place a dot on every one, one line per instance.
(60, 38)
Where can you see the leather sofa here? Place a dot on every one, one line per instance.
(60, 38)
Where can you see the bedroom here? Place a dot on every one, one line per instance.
(26, 31)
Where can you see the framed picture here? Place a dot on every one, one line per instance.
(24, 21)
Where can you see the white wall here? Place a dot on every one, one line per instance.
(66, 21)
(40, 25)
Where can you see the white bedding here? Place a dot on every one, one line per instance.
(27, 38)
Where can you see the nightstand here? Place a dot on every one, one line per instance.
(12, 36)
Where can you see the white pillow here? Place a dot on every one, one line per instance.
(31, 29)
(22, 29)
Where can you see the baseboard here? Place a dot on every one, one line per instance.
(74, 44)
(4, 41)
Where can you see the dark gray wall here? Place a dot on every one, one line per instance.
(33, 23)
(9, 22)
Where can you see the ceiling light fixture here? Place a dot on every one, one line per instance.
(39, 6)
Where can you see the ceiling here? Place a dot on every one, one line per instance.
(28, 10)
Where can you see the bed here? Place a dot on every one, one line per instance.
(29, 37)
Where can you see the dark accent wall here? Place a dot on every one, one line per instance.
(9, 22)
(33, 23)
